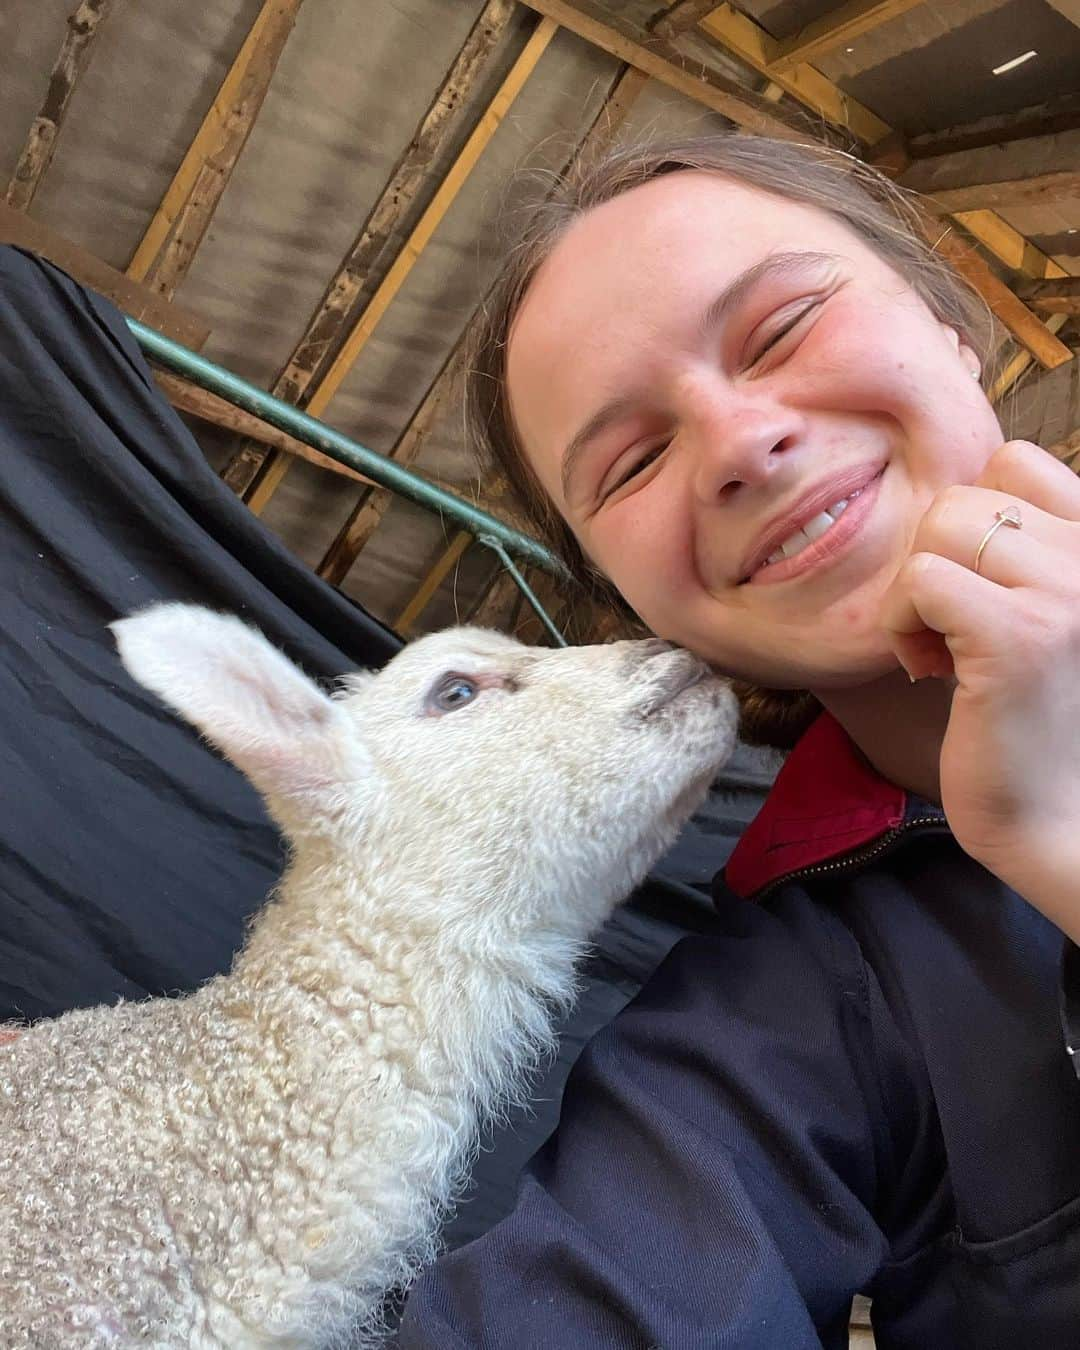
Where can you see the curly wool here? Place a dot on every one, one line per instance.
(254, 1165)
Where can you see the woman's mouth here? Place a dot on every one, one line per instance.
(819, 539)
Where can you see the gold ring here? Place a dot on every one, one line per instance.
(1009, 516)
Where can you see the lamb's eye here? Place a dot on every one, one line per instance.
(452, 692)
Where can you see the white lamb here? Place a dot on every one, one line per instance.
(255, 1164)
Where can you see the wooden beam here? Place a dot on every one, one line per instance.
(622, 94)
(681, 16)
(131, 296)
(841, 25)
(1019, 364)
(1044, 119)
(1032, 190)
(439, 125)
(168, 247)
(404, 622)
(1055, 297)
(422, 231)
(741, 35)
(1008, 244)
(663, 63)
(369, 510)
(197, 402)
(1005, 305)
(83, 26)
(750, 42)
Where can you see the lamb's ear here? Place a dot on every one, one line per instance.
(244, 695)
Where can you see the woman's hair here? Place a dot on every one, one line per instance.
(863, 199)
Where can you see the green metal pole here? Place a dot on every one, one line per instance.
(381, 469)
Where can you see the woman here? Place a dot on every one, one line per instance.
(731, 380)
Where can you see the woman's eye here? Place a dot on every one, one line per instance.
(774, 337)
(630, 471)
(452, 692)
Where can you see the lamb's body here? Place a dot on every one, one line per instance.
(257, 1163)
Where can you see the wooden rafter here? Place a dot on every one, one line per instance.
(192, 399)
(740, 35)
(1030, 190)
(363, 327)
(840, 25)
(658, 59)
(168, 247)
(750, 42)
(681, 16)
(434, 578)
(1044, 119)
(620, 98)
(368, 512)
(83, 26)
(440, 123)
(131, 296)
(1056, 297)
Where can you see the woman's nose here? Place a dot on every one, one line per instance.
(735, 437)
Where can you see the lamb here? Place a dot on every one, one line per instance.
(253, 1165)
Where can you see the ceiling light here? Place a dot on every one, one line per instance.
(1016, 61)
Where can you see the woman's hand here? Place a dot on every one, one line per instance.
(1010, 634)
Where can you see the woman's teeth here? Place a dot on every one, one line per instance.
(813, 529)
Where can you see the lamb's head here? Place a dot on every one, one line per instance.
(541, 783)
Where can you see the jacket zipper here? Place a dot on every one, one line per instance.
(851, 860)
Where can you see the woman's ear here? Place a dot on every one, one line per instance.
(966, 353)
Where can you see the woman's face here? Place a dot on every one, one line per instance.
(742, 412)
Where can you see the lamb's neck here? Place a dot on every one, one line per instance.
(444, 1008)
(394, 1044)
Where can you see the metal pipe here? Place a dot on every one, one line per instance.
(523, 586)
(380, 468)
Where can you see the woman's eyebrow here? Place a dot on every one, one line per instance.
(729, 299)
(775, 265)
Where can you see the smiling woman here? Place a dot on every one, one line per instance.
(774, 322)
(737, 389)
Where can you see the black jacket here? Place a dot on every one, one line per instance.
(858, 1082)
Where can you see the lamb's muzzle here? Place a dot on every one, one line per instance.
(255, 1164)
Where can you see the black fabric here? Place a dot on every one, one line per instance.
(858, 1084)
(130, 855)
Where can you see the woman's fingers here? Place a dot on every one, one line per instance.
(959, 522)
(1025, 471)
(938, 613)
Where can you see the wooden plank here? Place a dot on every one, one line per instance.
(168, 247)
(621, 96)
(405, 621)
(750, 42)
(1025, 326)
(1008, 244)
(742, 36)
(1020, 362)
(369, 510)
(1066, 288)
(1057, 304)
(1031, 190)
(440, 123)
(131, 296)
(447, 191)
(1044, 119)
(191, 398)
(681, 16)
(663, 63)
(841, 25)
(83, 26)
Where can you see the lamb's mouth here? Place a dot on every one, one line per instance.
(682, 679)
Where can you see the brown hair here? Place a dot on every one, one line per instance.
(813, 175)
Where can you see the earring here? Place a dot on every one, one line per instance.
(975, 374)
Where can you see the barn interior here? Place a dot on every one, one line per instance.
(314, 196)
